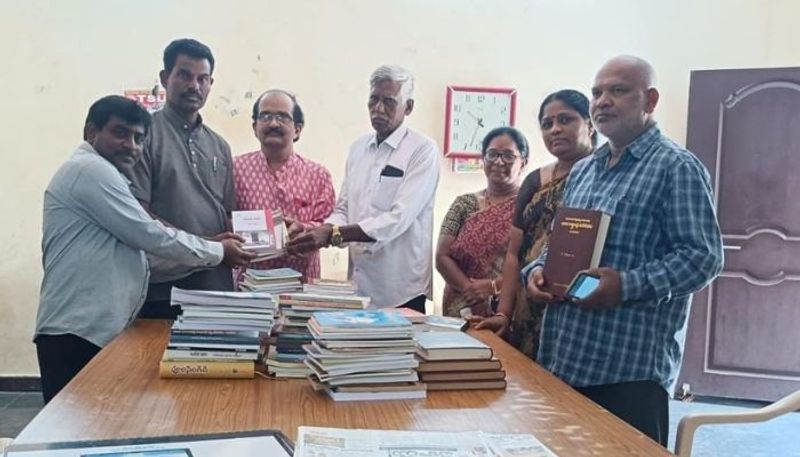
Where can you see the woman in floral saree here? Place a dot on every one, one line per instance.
(474, 235)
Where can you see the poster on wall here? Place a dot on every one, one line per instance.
(467, 165)
(151, 99)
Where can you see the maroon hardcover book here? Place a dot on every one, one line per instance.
(576, 244)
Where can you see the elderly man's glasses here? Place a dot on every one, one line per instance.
(506, 156)
(282, 118)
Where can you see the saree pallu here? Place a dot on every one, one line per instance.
(479, 249)
(526, 322)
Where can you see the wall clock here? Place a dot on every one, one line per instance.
(471, 112)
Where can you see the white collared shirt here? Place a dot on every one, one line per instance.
(396, 211)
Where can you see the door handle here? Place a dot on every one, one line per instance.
(731, 248)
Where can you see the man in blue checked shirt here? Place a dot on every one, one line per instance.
(622, 345)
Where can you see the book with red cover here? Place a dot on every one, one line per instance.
(576, 244)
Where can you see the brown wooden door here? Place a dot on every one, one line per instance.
(743, 339)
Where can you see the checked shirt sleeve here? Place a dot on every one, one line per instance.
(693, 238)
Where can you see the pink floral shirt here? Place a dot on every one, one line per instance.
(302, 189)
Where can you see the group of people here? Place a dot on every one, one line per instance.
(144, 203)
(622, 345)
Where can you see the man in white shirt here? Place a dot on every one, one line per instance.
(385, 209)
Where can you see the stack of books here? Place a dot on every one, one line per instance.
(286, 354)
(264, 232)
(218, 310)
(210, 354)
(274, 281)
(329, 286)
(218, 334)
(363, 355)
(457, 361)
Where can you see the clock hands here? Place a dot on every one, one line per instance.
(474, 133)
(479, 120)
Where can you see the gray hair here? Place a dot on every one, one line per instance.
(395, 74)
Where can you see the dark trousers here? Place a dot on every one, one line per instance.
(61, 357)
(642, 404)
(158, 309)
(416, 303)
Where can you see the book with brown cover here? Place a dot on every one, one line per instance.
(462, 376)
(466, 385)
(197, 369)
(458, 365)
(575, 244)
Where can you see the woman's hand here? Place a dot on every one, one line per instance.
(498, 323)
(478, 292)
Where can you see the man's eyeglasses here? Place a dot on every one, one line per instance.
(282, 118)
(506, 156)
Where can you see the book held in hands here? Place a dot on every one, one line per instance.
(576, 244)
(264, 232)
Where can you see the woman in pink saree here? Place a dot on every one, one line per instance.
(475, 231)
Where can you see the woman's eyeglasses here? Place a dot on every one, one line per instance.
(506, 156)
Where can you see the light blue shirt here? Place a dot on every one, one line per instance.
(95, 235)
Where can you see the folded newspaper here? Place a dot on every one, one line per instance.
(337, 442)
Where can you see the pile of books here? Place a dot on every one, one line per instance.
(218, 334)
(329, 286)
(286, 354)
(457, 361)
(434, 323)
(264, 232)
(363, 355)
(274, 281)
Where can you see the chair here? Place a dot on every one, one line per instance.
(690, 422)
(4, 443)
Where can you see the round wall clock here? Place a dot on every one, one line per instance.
(471, 112)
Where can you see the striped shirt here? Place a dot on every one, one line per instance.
(665, 242)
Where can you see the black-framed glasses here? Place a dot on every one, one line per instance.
(506, 156)
(282, 118)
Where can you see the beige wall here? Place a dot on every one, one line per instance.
(58, 57)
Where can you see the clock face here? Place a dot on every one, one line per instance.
(472, 114)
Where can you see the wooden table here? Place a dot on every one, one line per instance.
(119, 394)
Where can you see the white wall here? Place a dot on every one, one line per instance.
(58, 57)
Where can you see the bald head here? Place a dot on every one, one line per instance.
(623, 99)
(637, 68)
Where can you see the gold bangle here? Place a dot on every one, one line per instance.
(502, 315)
(494, 287)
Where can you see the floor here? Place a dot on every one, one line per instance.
(777, 438)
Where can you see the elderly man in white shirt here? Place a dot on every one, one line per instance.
(385, 208)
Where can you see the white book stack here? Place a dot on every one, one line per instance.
(329, 286)
(274, 281)
(363, 355)
(218, 310)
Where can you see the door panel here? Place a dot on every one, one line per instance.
(742, 340)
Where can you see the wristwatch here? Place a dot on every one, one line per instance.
(336, 236)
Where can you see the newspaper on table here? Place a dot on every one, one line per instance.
(516, 445)
(336, 442)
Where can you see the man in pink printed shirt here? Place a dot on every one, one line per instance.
(276, 177)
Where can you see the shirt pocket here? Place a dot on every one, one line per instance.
(632, 224)
(385, 192)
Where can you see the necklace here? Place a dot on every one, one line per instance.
(554, 173)
(492, 200)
